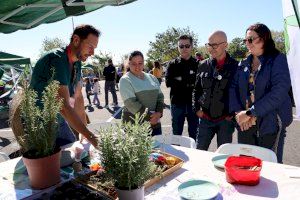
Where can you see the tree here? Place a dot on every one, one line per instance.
(203, 51)
(278, 37)
(99, 61)
(237, 49)
(164, 48)
(51, 43)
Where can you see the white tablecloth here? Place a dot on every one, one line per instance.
(275, 181)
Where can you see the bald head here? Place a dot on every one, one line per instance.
(217, 44)
(219, 35)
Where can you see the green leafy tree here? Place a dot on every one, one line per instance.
(164, 48)
(278, 37)
(203, 51)
(237, 49)
(51, 43)
(99, 61)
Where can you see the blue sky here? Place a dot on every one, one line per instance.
(133, 26)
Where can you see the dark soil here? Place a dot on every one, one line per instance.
(73, 191)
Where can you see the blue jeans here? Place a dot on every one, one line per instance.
(207, 130)
(96, 100)
(179, 113)
(280, 146)
(65, 134)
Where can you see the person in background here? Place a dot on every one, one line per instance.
(88, 90)
(260, 92)
(181, 77)
(119, 75)
(157, 71)
(210, 95)
(96, 91)
(198, 56)
(140, 90)
(110, 77)
(64, 65)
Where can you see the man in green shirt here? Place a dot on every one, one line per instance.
(64, 65)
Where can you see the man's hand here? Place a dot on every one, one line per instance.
(200, 113)
(154, 118)
(228, 118)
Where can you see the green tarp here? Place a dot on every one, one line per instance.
(10, 59)
(1, 73)
(88, 66)
(26, 14)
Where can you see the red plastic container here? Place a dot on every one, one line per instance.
(244, 170)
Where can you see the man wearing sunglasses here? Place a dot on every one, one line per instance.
(210, 95)
(181, 77)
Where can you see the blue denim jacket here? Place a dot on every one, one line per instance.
(272, 103)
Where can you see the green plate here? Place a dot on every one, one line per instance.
(198, 189)
(219, 161)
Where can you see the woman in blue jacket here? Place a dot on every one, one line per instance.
(259, 93)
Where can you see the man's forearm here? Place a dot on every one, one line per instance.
(79, 109)
(75, 121)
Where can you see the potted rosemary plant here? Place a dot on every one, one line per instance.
(125, 150)
(35, 129)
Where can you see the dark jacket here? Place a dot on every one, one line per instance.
(272, 85)
(181, 77)
(110, 73)
(212, 87)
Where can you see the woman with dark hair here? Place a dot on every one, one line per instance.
(158, 71)
(140, 90)
(259, 93)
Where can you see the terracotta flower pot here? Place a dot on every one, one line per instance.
(136, 194)
(43, 172)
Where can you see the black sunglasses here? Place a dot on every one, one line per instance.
(184, 46)
(213, 45)
(250, 39)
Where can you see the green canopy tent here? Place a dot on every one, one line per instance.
(10, 59)
(9, 62)
(26, 14)
(12, 67)
(87, 66)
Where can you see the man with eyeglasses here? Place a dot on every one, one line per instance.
(180, 77)
(210, 95)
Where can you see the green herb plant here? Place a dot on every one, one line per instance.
(125, 150)
(40, 124)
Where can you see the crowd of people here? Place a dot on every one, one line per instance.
(215, 95)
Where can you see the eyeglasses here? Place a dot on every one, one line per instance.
(187, 46)
(213, 45)
(250, 39)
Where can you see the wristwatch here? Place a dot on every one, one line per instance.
(249, 113)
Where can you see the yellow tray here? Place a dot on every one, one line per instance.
(178, 164)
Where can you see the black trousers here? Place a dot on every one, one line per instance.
(250, 137)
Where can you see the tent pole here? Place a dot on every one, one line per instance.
(296, 13)
(73, 24)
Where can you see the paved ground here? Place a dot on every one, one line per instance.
(100, 115)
